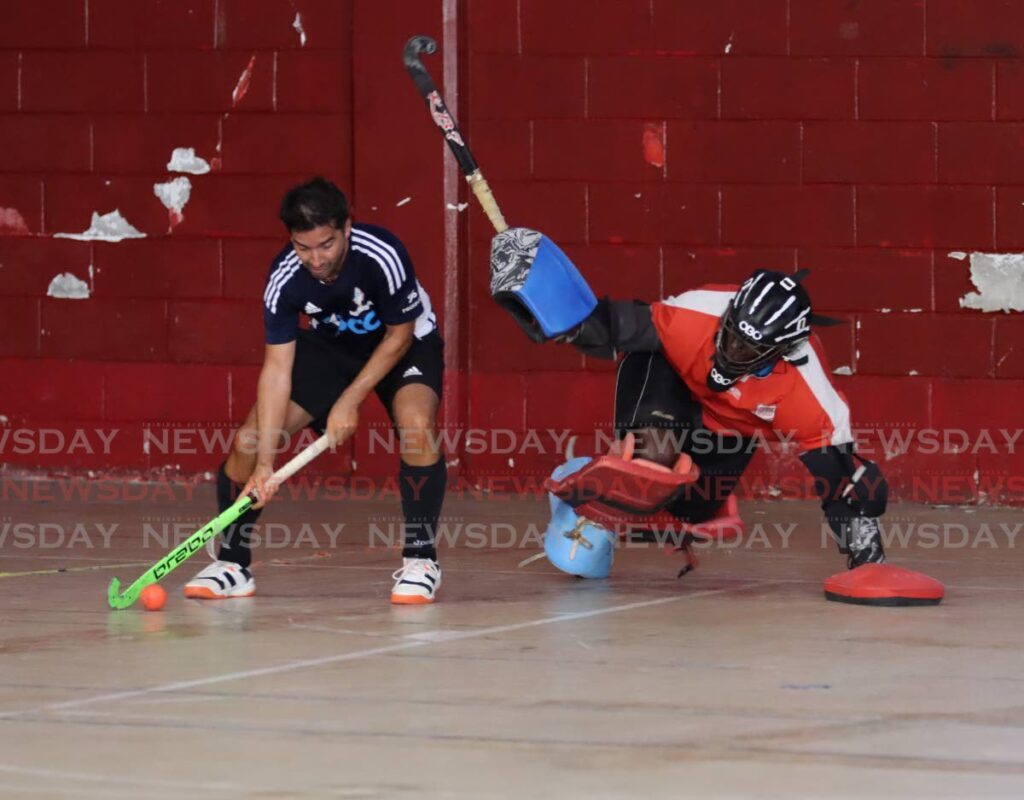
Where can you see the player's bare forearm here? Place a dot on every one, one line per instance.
(395, 344)
(273, 391)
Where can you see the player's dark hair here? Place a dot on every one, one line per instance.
(312, 204)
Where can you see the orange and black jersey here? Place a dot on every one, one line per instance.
(797, 399)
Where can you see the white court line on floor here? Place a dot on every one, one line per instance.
(444, 636)
(74, 775)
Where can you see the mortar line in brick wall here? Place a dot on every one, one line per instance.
(930, 412)
(994, 220)
(586, 87)
(924, 27)
(718, 89)
(994, 87)
(789, 35)
(856, 89)
(273, 82)
(220, 267)
(519, 27)
(216, 17)
(661, 271)
(531, 147)
(721, 206)
(932, 271)
(992, 357)
(103, 394)
(856, 231)
(586, 213)
(800, 156)
(664, 150)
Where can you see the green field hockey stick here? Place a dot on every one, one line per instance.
(195, 542)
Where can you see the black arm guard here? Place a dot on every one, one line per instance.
(616, 326)
(844, 493)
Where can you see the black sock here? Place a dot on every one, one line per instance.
(422, 491)
(234, 542)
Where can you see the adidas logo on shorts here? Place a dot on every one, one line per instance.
(411, 371)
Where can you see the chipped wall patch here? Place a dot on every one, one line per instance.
(654, 145)
(110, 227)
(174, 195)
(184, 159)
(66, 286)
(999, 279)
(242, 87)
(11, 222)
(460, 207)
(297, 24)
(844, 370)
(403, 201)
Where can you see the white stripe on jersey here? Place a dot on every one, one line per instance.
(826, 395)
(278, 274)
(427, 320)
(391, 260)
(380, 261)
(281, 274)
(272, 302)
(706, 301)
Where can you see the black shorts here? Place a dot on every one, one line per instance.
(322, 371)
(650, 394)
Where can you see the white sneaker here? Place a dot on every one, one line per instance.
(221, 580)
(416, 582)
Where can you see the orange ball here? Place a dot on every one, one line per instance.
(153, 597)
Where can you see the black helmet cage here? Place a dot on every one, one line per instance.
(768, 319)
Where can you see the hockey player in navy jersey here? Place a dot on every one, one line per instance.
(371, 329)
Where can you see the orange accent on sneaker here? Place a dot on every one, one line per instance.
(410, 600)
(203, 593)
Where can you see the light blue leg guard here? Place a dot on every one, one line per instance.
(571, 542)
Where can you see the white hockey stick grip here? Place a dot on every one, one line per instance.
(301, 460)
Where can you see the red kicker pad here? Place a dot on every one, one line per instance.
(639, 487)
(727, 524)
(884, 585)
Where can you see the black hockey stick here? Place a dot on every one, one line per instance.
(444, 120)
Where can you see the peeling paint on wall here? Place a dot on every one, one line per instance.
(110, 227)
(999, 279)
(184, 159)
(242, 87)
(174, 195)
(67, 287)
(11, 221)
(654, 145)
(297, 24)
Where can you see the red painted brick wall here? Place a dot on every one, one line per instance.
(664, 144)
(863, 140)
(94, 97)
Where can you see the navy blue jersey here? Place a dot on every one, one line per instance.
(376, 287)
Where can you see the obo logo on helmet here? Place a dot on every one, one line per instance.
(750, 330)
